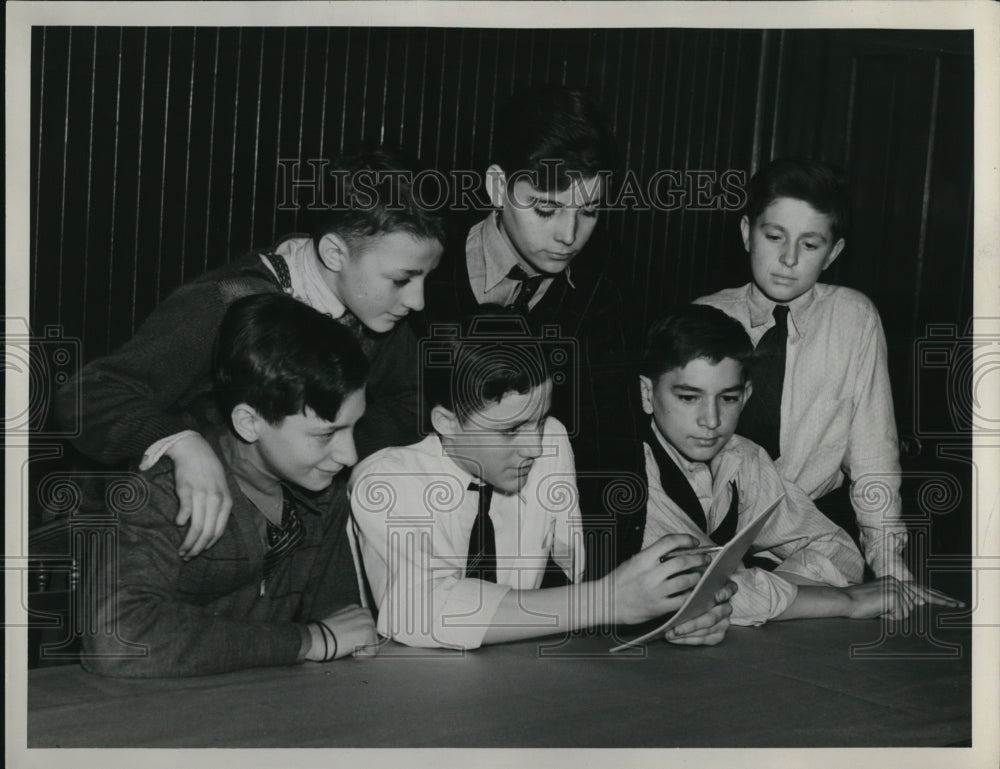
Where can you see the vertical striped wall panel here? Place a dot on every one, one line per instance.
(156, 151)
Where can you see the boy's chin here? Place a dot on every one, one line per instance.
(700, 453)
(511, 484)
(312, 484)
(782, 294)
(380, 325)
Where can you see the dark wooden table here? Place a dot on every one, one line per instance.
(817, 683)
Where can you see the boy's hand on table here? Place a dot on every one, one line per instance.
(889, 597)
(709, 628)
(921, 594)
(203, 493)
(645, 587)
(353, 629)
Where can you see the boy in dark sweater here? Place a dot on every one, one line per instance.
(364, 265)
(279, 586)
(551, 157)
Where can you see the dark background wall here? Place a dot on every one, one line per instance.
(155, 157)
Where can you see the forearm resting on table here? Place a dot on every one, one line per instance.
(532, 613)
(813, 600)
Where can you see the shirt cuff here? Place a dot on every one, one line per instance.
(156, 451)
(883, 552)
(761, 596)
(818, 568)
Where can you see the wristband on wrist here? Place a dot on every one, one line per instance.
(323, 636)
(323, 630)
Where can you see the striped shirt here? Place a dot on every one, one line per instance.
(836, 409)
(799, 536)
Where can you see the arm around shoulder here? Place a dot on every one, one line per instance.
(127, 399)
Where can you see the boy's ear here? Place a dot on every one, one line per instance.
(444, 421)
(246, 422)
(747, 392)
(333, 251)
(646, 390)
(834, 253)
(496, 185)
(745, 232)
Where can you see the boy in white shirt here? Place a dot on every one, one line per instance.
(455, 531)
(708, 482)
(823, 405)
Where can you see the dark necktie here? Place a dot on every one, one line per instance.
(726, 530)
(482, 560)
(675, 484)
(529, 287)
(761, 417)
(284, 539)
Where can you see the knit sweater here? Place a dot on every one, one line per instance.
(215, 613)
(159, 382)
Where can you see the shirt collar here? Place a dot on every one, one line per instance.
(463, 476)
(263, 491)
(762, 309)
(686, 466)
(499, 257)
(307, 280)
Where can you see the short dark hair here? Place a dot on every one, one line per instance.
(374, 194)
(692, 332)
(476, 362)
(555, 134)
(822, 185)
(279, 356)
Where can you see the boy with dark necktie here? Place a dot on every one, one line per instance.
(455, 531)
(708, 482)
(822, 405)
(536, 253)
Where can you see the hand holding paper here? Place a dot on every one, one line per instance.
(709, 628)
(703, 598)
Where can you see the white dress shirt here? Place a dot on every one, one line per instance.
(836, 407)
(414, 517)
(799, 536)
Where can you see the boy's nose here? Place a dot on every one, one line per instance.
(566, 231)
(344, 452)
(413, 295)
(709, 416)
(789, 256)
(531, 446)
